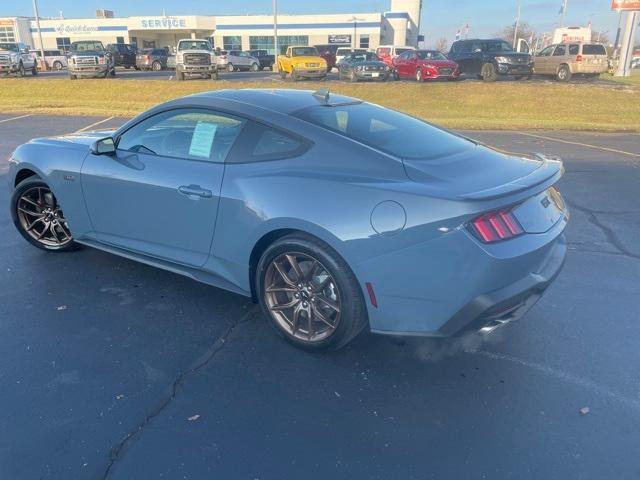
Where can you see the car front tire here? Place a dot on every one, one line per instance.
(564, 73)
(57, 65)
(309, 294)
(38, 217)
(230, 67)
(489, 73)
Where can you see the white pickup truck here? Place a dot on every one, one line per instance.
(195, 57)
(15, 58)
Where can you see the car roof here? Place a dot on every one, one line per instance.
(277, 100)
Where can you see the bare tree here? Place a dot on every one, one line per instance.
(442, 44)
(600, 37)
(525, 31)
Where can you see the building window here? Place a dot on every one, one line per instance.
(265, 42)
(7, 34)
(119, 39)
(63, 43)
(232, 43)
(364, 41)
(134, 41)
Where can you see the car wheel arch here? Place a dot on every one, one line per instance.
(23, 174)
(275, 234)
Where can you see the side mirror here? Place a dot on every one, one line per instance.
(477, 50)
(104, 146)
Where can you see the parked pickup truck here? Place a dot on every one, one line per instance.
(266, 60)
(302, 62)
(195, 57)
(15, 58)
(89, 58)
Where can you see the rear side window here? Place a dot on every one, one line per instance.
(386, 130)
(560, 51)
(593, 50)
(260, 143)
(574, 49)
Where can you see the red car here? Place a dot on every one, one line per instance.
(424, 65)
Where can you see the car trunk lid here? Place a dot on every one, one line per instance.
(482, 173)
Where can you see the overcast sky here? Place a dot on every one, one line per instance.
(440, 18)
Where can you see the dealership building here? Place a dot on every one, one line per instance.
(398, 26)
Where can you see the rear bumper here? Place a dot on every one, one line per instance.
(496, 308)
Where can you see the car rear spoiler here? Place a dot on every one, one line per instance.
(548, 173)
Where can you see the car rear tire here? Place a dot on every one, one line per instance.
(34, 70)
(353, 77)
(283, 74)
(39, 218)
(395, 75)
(419, 76)
(230, 67)
(489, 73)
(255, 67)
(57, 65)
(214, 76)
(156, 66)
(21, 71)
(309, 294)
(563, 74)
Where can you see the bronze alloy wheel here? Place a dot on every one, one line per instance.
(302, 297)
(41, 218)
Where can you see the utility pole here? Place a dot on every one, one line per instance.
(35, 10)
(355, 21)
(275, 35)
(515, 29)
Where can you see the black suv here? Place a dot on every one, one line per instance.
(490, 58)
(266, 60)
(123, 54)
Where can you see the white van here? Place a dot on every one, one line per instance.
(342, 52)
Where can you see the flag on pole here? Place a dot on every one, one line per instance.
(563, 7)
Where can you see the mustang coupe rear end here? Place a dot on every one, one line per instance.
(334, 214)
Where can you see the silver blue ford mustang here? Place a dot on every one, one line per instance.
(334, 214)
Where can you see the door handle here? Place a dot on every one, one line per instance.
(195, 190)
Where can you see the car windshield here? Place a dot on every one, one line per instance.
(88, 46)
(11, 47)
(498, 46)
(431, 55)
(365, 57)
(304, 52)
(387, 130)
(194, 45)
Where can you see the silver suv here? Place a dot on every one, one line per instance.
(195, 57)
(88, 58)
(15, 58)
(564, 60)
(237, 60)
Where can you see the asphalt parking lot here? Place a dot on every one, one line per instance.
(113, 369)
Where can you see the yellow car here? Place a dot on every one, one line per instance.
(302, 62)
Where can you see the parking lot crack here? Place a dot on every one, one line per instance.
(118, 449)
(609, 234)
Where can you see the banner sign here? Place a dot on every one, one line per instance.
(625, 5)
(163, 23)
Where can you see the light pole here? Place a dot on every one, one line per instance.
(355, 21)
(515, 29)
(35, 10)
(275, 35)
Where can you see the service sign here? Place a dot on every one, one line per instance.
(163, 23)
(625, 5)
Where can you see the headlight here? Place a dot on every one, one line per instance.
(179, 58)
(502, 60)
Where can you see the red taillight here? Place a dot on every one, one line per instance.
(148, 58)
(223, 57)
(579, 58)
(496, 226)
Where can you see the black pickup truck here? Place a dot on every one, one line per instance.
(489, 59)
(266, 60)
